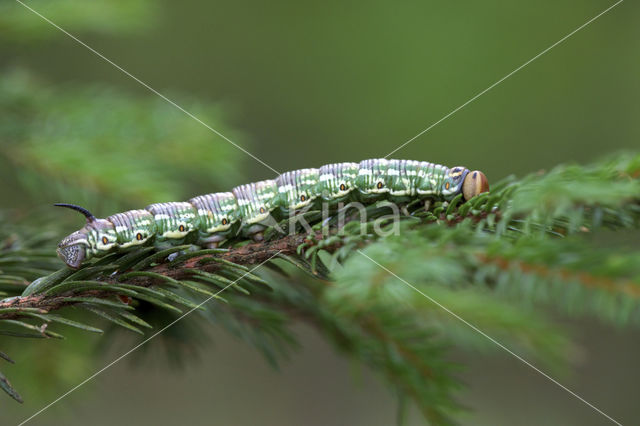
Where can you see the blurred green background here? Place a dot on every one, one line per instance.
(299, 85)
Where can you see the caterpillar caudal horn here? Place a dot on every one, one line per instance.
(90, 217)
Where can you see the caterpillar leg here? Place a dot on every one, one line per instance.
(257, 237)
(165, 245)
(174, 255)
(162, 245)
(211, 241)
(427, 205)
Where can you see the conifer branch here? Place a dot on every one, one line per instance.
(533, 239)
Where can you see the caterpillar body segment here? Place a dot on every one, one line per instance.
(404, 177)
(297, 190)
(246, 211)
(371, 182)
(336, 182)
(452, 182)
(103, 238)
(173, 221)
(255, 203)
(218, 217)
(133, 227)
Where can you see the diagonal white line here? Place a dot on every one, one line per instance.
(150, 88)
(144, 341)
(504, 78)
(473, 327)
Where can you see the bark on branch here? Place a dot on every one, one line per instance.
(250, 254)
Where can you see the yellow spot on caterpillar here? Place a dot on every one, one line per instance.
(447, 185)
(262, 210)
(139, 236)
(379, 185)
(343, 187)
(181, 228)
(303, 198)
(224, 221)
(105, 240)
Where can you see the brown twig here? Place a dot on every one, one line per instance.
(584, 278)
(249, 254)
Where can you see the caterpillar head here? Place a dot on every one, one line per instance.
(96, 237)
(475, 183)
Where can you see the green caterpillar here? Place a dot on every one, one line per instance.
(208, 220)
